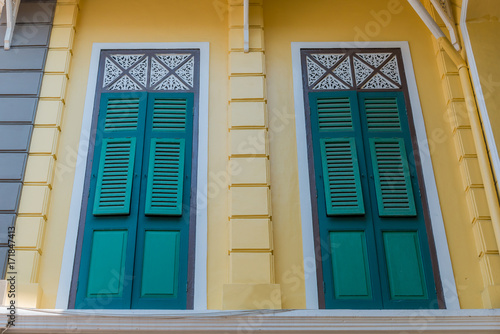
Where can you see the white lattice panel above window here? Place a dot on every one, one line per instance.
(149, 71)
(352, 70)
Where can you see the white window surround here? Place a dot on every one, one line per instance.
(441, 244)
(200, 281)
(488, 132)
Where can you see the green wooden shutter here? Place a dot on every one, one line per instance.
(165, 177)
(107, 261)
(339, 157)
(392, 177)
(341, 177)
(369, 212)
(161, 265)
(114, 181)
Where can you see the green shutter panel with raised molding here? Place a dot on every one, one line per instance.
(392, 177)
(341, 177)
(165, 177)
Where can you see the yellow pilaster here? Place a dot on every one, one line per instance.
(42, 158)
(250, 254)
(479, 214)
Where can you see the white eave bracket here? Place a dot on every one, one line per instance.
(246, 32)
(443, 8)
(11, 9)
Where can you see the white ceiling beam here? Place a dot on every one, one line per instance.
(444, 10)
(11, 9)
(246, 32)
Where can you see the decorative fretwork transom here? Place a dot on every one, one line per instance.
(337, 69)
(158, 70)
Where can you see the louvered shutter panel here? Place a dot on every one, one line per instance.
(114, 181)
(122, 114)
(169, 114)
(334, 114)
(341, 177)
(382, 114)
(392, 177)
(165, 177)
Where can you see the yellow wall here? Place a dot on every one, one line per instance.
(328, 21)
(483, 23)
(284, 22)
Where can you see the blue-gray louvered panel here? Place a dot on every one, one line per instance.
(12, 166)
(20, 58)
(20, 83)
(28, 35)
(15, 137)
(33, 12)
(6, 220)
(9, 196)
(21, 70)
(17, 110)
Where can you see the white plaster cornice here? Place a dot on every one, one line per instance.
(280, 321)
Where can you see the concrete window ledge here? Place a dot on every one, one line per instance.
(266, 321)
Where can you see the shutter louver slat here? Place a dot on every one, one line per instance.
(169, 114)
(382, 114)
(334, 114)
(122, 114)
(114, 182)
(392, 177)
(165, 177)
(343, 192)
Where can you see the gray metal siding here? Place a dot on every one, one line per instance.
(21, 71)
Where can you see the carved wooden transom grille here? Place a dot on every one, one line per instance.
(172, 70)
(352, 69)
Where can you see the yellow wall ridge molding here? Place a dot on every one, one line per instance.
(248, 100)
(264, 216)
(246, 75)
(246, 185)
(249, 251)
(249, 127)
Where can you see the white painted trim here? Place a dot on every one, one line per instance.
(490, 138)
(447, 17)
(11, 9)
(261, 321)
(443, 255)
(200, 281)
(246, 31)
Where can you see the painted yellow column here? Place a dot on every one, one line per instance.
(474, 190)
(250, 254)
(42, 157)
